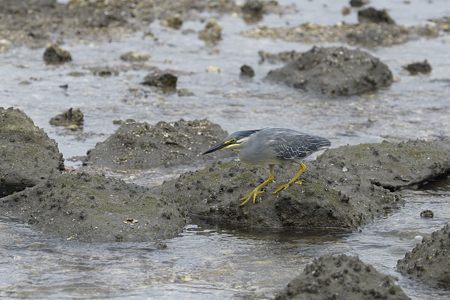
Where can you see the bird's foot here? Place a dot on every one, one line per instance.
(252, 195)
(285, 186)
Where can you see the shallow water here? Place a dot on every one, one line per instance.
(207, 263)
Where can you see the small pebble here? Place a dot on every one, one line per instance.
(427, 214)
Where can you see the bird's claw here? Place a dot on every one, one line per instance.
(252, 195)
(285, 186)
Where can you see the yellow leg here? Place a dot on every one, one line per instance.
(294, 179)
(258, 190)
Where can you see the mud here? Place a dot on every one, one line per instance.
(93, 208)
(368, 35)
(429, 261)
(343, 189)
(418, 68)
(140, 146)
(71, 119)
(28, 155)
(341, 277)
(38, 22)
(335, 72)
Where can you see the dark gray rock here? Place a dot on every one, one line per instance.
(372, 15)
(56, 55)
(334, 71)
(72, 119)
(358, 3)
(423, 67)
(430, 260)
(342, 190)
(28, 155)
(341, 278)
(247, 71)
(427, 214)
(95, 209)
(139, 146)
(165, 81)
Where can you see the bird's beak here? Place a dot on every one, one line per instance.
(217, 147)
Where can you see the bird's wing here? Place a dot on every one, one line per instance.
(297, 146)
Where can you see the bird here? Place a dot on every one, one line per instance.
(272, 146)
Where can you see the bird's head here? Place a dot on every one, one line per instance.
(233, 141)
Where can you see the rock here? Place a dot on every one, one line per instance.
(174, 22)
(284, 56)
(56, 55)
(212, 33)
(28, 155)
(341, 277)
(358, 3)
(334, 71)
(247, 71)
(213, 69)
(72, 119)
(253, 7)
(134, 56)
(252, 10)
(93, 208)
(427, 214)
(185, 93)
(418, 67)
(104, 71)
(345, 11)
(165, 81)
(369, 35)
(429, 261)
(372, 15)
(139, 146)
(329, 196)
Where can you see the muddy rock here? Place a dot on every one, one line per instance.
(372, 15)
(72, 119)
(212, 33)
(247, 71)
(368, 35)
(334, 71)
(341, 277)
(134, 57)
(138, 146)
(165, 81)
(429, 261)
(343, 189)
(418, 67)
(358, 3)
(55, 55)
(174, 22)
(94, 208)
(284, 56)
(28, 155)
(253, 10)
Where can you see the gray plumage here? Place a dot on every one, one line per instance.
(279, 145)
